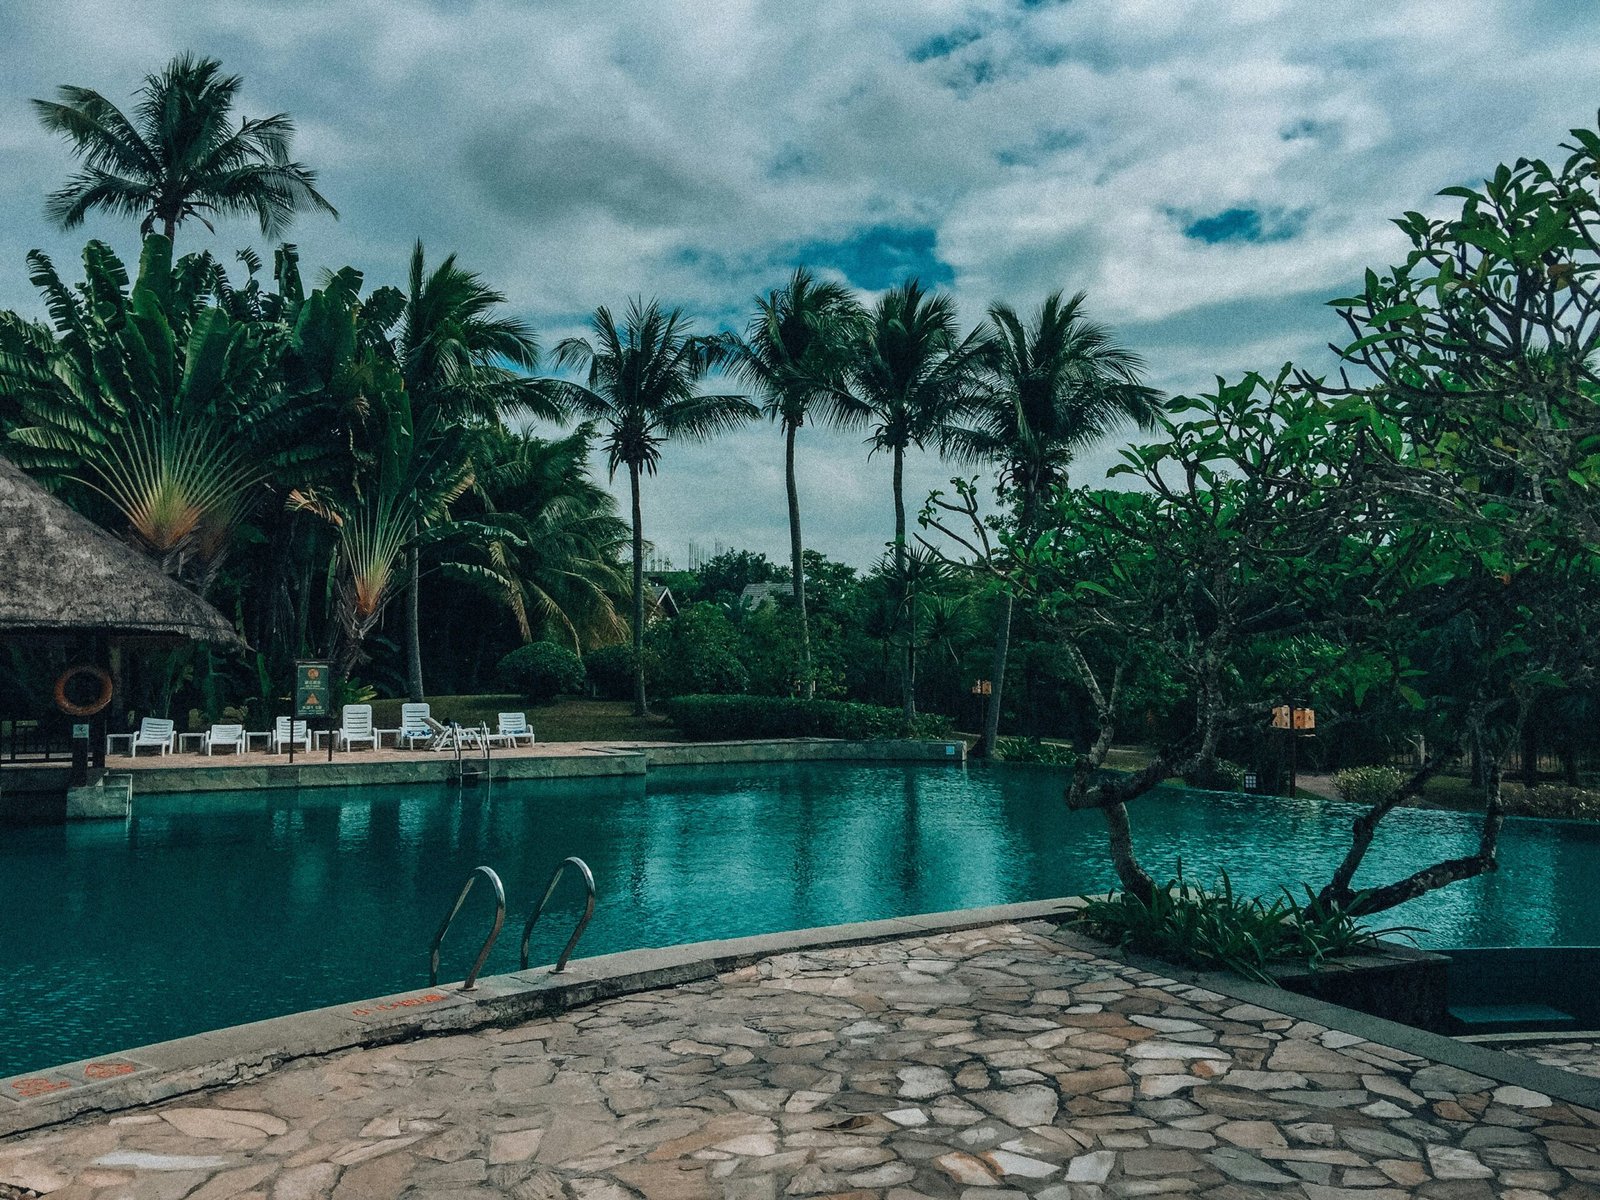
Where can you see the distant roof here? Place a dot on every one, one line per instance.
(757, 594)
(659, 598)
(59, 572)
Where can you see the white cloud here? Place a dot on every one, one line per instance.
(578, 154)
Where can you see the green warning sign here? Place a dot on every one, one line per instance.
(311, 689)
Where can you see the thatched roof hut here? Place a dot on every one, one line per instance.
(62, 573)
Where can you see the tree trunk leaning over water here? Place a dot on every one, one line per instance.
(908, 679)
(1002, 648)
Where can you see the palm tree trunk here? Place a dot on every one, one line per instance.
(414, 628)
(170, 228)
(908, 662)
(639, 707)
(797, 570)
(1002, 647)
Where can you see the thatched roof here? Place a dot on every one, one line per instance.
(61, 572)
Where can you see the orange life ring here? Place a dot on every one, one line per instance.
(83, 710)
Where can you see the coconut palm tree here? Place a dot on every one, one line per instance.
(641, 385)
(794, 353)
(547, 542)
(179, 155)
(910, 374)
(1052, 386)
(458, 356)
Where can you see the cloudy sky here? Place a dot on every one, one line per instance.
(1208, 171)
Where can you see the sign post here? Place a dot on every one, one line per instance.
(313, 698)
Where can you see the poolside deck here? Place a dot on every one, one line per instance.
(999, 1062)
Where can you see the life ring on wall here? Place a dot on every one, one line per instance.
(95, 705)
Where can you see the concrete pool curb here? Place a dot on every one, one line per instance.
(583, 760)
(164, 1070)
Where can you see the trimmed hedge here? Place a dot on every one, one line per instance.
(1368, 785)
(719, 718)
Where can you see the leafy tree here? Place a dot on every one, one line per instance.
(723, 577)
(1052, 386)
(909, 376)
(179, 154)
(794, 352)
(641, 386)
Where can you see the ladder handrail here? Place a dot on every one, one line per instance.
(471, 980)
(583, 921)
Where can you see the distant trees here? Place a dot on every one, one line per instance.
(179, 155)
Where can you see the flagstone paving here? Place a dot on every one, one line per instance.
(1579, 1057)
(993, 1064)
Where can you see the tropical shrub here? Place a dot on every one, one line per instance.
(713, 718)
(1185, 923)
(1215, 775)
(610, 671)
(1368, 785)
(1032, 750)
(541, 671)
(699, 655)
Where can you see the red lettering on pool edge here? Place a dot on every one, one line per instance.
(38, 1086)
(107, 1070)
(403, 1002)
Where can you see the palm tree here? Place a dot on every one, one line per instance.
(1053, 386)
(909, 376)
(548, 541)
(641, 385)
(457, 356)
(179, 155)
(794, 352)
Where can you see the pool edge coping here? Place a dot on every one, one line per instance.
(236, 1054)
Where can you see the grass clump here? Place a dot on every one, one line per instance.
(1214, 927)
(1032, 750)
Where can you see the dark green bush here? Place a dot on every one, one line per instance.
(541, 671)
(1184, 923)
(1032, 750)
(699, 655)
(610, 671)
(717, 718)
(1218, 775)
(1368, 785)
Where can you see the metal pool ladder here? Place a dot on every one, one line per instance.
(583, 921)
(471, 980)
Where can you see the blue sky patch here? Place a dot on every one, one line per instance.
(880, 256)
(1242, 225)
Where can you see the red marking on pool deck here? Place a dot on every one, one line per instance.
(38, 1085)
(372, 1010)
(108, 1070)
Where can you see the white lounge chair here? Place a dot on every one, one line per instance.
(224, 737)
(284, 732)
(453, 736)
(355, 725)
(413, 726)
(156, 733)
(513, 727)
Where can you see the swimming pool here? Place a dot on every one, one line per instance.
(211, 909)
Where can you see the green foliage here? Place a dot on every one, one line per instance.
(1032, 750)
(698, 652)
(610, 671)
(1185, 923)
(1216, 775)
(718, 718)
(541, 671)
(722, 578)
(1557, 800)
(1368, 785)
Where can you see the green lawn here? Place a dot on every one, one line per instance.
(567, 720)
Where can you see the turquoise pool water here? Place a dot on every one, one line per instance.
(209, 910)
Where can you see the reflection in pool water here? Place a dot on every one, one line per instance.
(213, 909)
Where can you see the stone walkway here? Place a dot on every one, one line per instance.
(1579, 1057)
(983, 1065)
